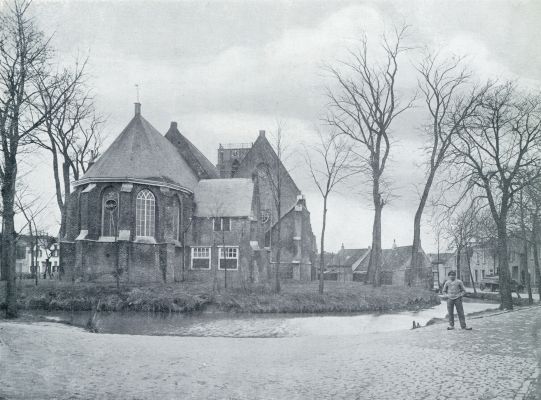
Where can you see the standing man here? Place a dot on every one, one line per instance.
(454, 290)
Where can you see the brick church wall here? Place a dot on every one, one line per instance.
(85, 256)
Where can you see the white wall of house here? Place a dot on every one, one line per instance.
(23, 264)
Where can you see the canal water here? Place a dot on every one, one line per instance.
(253, 325)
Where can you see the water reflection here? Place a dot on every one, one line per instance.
(256, 325)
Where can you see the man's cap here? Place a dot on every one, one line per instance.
(451, 273)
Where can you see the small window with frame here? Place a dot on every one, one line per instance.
(221, 224)
(229, 258)
(201, 257)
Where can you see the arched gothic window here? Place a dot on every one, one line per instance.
(145, 209)
(109, 213)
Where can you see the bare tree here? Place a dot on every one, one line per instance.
(330, 165)
(46, 242)
(524, 226)
(442, 84)
(363, 107)
(71, 129)
(273, 173)
(462, 230)
(30, 206)
(534, 195)
(496, 154)
(23, 57)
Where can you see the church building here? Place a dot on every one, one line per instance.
(153, 208)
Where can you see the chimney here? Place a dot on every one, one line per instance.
(174, 125)
(342, 246)
(137, 108)
(394, 244)
(261, 133)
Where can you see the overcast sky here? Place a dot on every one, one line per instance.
(225, 70)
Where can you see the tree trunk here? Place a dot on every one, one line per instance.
(469, 268)
(534, 240)
(67, 191)
(458, 260)
(322, 245)
(374, 274)
(503, 265)
(526, 269)
(214, 267)
(3, 264)
(9, 236)
(224, 254)
(32, 265)
(278, 258)
(415, 266)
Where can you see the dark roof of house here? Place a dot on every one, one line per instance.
(224, 198)
(393, 259)
(141, 153)
(347, 257)
(197, 161)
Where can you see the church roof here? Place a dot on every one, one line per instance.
(262, 152)
(195, 159)
(141, 154)
(224, 198)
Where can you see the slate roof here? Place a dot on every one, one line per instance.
(224, 198)
(197, 161)
(393, 259)
(347, 257)
(141, 153)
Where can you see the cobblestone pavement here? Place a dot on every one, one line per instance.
(499, 359)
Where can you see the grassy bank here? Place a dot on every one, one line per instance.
(193, 297)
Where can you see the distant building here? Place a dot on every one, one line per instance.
(442, 264)
(43, 255)
(342, 265)
(479, 260)
(396, 263)
(483, 261)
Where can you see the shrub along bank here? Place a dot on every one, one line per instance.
(193, 297)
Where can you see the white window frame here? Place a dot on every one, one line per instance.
(227, 257)
(145, 217)
(198, 249)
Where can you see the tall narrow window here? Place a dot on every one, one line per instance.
(109, 213)
(145, 206)
(176, 220)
